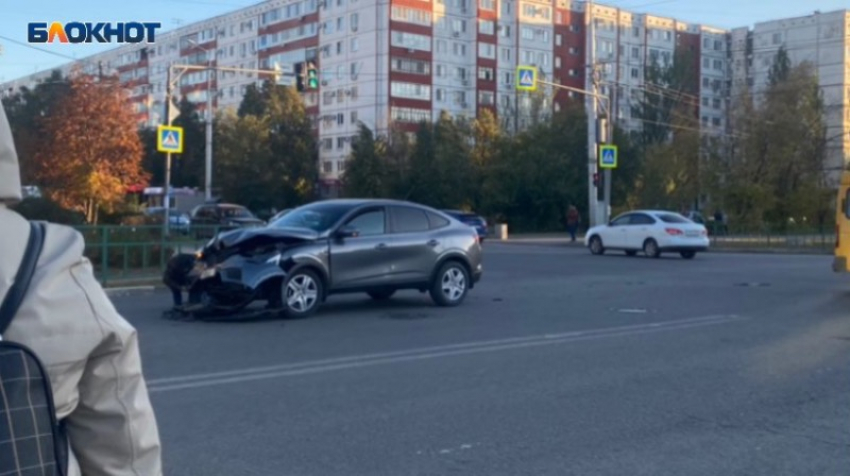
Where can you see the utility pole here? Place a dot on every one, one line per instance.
(590, 81)
(167, 188)
(209, 132)
(606, 132)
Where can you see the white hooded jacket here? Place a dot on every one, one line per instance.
(90, 352)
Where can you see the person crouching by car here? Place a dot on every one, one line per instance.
(177, 278)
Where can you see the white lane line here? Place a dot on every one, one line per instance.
(354, 362)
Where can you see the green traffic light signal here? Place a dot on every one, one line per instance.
(312, 78)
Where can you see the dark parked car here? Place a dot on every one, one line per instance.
(339, 246)
(471, 219)
(224, 216)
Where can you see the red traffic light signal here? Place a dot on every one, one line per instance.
(596, 179)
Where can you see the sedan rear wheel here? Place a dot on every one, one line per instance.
(302, 293)
(450, 285)
(650, 248)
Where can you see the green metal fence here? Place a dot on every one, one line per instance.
(127, 255)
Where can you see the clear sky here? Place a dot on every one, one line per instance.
(19, 60)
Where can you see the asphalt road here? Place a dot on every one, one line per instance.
(559, 363)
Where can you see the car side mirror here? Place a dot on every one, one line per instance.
(347, 231)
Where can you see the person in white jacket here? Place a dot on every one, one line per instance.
(89, 351)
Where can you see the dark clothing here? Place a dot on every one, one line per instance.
(177, 278)
(572, 229)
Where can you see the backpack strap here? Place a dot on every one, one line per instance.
(15, 295)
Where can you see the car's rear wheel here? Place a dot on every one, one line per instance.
(381, 294)
(302, 293)
(650, 248)
(596, 246)
(631, 253)
(688, 254)
(450, 285)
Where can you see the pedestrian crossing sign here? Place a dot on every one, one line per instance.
(608, 156)
(169, 139)
(526, 78)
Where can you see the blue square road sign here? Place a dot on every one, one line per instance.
(608, 156)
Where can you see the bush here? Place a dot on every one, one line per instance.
(44, 209)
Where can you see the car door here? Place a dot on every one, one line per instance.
(640, 228)
(415, 248)
(362, 260)
(614, 234)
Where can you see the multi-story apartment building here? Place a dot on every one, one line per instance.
(822, 39)
(398, 62)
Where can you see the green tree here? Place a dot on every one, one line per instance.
(268, 159)
(774, 170)
(27, 109)
(366, 173)
(253, 102)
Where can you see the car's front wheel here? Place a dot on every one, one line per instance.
(302, 293)
(450, 285)
(596, 246)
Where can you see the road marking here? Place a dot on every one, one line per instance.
(368, 360)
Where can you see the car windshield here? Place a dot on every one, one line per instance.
(671, 218)
(317, 217)
(236, 212)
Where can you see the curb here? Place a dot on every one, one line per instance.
(715, 249)
(129, 289)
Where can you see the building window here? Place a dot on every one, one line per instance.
(355, 44)
(411, 41)
(411, 15)
(486, 74)
(486, 98)
(716, 103)
(354, 21)
(558, 40)
(327, 166)
(487, 4)
(635, 73)
(410, 90)
(404, 65)
(486, 50)
(486, 27)
(410, 115)
(459, 49)
(557, 61)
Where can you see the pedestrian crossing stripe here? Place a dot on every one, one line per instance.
(169, 139)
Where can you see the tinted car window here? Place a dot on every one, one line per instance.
(642, 220)
(317, 217)
(670, 218)
(437, 221)
(236, 212)
(621, 220)
(408, 219)
(369, 223)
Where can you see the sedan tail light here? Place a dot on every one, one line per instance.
(674, 231)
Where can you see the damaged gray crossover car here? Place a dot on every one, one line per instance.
(331, 247)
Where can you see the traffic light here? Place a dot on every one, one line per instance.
(278, 74)
(596, 179)
(312, 76)
(299, 77)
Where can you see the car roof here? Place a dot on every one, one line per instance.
(354, 202)
(652, 212)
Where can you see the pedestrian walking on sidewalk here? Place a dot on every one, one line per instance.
(573, 221)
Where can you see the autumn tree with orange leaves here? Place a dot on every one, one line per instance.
(91, 150)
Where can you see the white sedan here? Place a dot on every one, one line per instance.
(651, 231)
